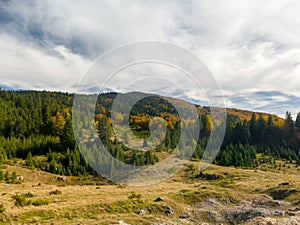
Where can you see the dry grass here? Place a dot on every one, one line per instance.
(106, 204)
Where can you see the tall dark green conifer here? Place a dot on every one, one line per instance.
(67, 139)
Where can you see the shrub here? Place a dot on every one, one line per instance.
(56, 192)
(191, 167)
(39, 202)
(135, 196)
(2, 208)
(20, 200)
(28, 195)
(14, 176)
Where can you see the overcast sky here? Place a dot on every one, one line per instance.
(251, 47)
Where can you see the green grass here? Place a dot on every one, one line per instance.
(2, 208)
(39, 202)
(21, 200)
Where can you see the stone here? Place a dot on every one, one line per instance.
(184, 215)
(141, 212)
(160, 199)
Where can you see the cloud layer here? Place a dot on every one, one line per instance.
(251, 47)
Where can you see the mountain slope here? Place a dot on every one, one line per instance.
(37, 126)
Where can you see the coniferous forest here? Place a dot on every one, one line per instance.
(36, 130)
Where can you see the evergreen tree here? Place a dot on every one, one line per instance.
(261, 130)
(6, 176)
(288, 126)
(67, 139)
(252, 129)
(14, 176)
(297, 123)
(104, 129)
(149, 159)
(29, 160)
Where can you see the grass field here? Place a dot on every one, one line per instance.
(91, 201)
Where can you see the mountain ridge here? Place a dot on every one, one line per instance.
(242, 113)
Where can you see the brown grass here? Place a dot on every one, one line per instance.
(91, 204)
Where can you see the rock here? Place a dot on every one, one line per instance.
(169, 210)
(61, 178)
(296, 203)
(184, 215)
(159, 199)
(213, 216)
(290, 213)
(279, 213)
(259, 211)
(141, 212)
(265, 203)
(284, 184)
(121, 222)
(280, 194)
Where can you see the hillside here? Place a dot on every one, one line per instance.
(246, 115)
(220, 195)
(45, 179)
(37, 126)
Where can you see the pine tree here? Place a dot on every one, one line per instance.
(29, 160)
(149, 159)
(14, 176)
(67, 139)
(252, 129)
(297, 123)
(52, 167)
(261, 130)
(6, 176)
(136, 159)
(288, 126)
(104, 129)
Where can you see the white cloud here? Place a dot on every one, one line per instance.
(249, 46)
(25, 66)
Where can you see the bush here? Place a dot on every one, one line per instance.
(2, 208)
(28, 195)
(190, 168)
(135, 196)
(56, 192)
(20, 200)
(39, 202)
(14, 176)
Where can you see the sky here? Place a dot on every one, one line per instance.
(252, 48)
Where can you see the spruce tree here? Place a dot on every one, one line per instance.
(67, 139)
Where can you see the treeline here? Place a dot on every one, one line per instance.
(259, 135)
(243, 139)
(37, 127)
(39, 124)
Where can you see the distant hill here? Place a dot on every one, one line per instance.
(246, 115)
